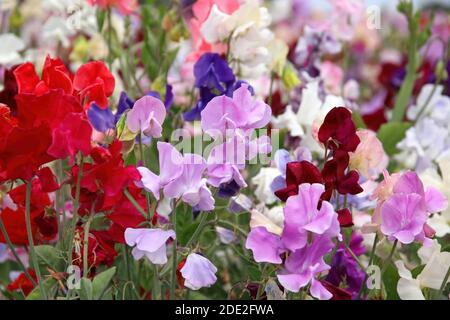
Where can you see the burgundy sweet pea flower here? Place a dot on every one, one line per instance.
(298, 172)
(338, 132)
(336, 178)
(345, 218)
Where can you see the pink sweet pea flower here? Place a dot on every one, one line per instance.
(266, 246)
(301, 216)
(150, 243)
(304, 265)
(240, 112)
(198, 272)
(147, 116)
(125, 7)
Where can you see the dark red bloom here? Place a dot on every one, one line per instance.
(335, 176)
(338, 293)
(95, 83)
(22, 283)
(345, 218)
(180, 278)
(338, 131)
(298, 172)
(10, 89)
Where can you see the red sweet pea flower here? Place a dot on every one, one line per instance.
(22, 283)
(335, 177)
(298, 172)
(55, 75)
(105, 179)
(345, 218)
(338, 293)
(95, 83)
(44, 226)
(73, 135)
(47, 180)
(338, 132)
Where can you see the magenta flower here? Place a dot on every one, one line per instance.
(239, 112)
(150, 243)
(304, 265)
(198, 272)
(147, 116)
(266, 246)
(302, 216)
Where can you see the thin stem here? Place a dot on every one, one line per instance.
(389, 258)
(147, 195)
(427, 102)
(134, 203)
(272, 78)
(86, 243)
(372, 255)
(75, 211)
(174, 257)
(444, 282)
(31, 241)
(13, 250)
(201, 225)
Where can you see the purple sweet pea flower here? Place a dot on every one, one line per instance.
(150, 243)
(101, 119)
(304, 265)
(211, 71)
(266, 246)
(147, 116)
(302, 216)
(345, 269)
(198, 272)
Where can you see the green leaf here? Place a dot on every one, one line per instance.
(101, 282)
(358, 120)
(86, 290)
(49, 256)
(36, 293)
(101, 14)
(392, 133)
(390, 280)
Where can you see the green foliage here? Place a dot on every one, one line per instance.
(392, 133)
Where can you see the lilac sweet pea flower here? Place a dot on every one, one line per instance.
(266, 246)
(302, 216)
(180, 177)
(147, 116)
(198, 272)
(304, 265)
(239, 112)
(150, 243)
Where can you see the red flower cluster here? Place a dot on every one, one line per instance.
(338, 134)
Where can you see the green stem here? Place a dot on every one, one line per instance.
(147, 195)
(75, 212)
(372, 255)
(31, 241)
(86, 243)
(427, 102)
(13, 250)
(134, 203)
(174, 258)
(197, 232)
(272, 78)
(444, 282)
(387, 262)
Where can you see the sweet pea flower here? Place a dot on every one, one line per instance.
(303, 266)
(239, 112)
(263, 181)
(180, 177)
(125, 7)
(403, 215)
(432, 276)
(301, 216)
(150, 243)
(147, 116)
(9, 51)
(369, 158)
(266, 246)
(332, 75)
(198, 272)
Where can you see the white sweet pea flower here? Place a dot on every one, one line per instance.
(272, 219)
(431, 276)
(213, 29)
(9, 50)
(263, 180)
(431, 178)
